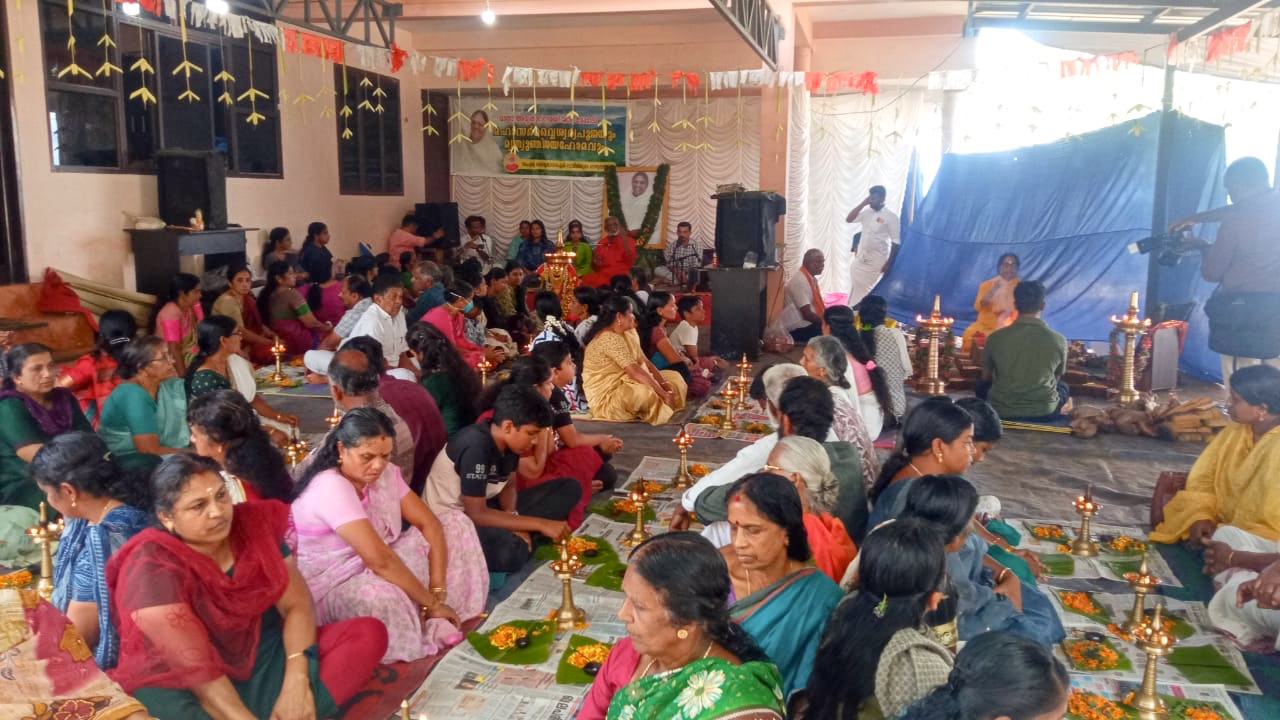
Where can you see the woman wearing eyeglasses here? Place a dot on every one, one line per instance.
(147, 413)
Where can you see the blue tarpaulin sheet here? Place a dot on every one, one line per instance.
(1069, 210)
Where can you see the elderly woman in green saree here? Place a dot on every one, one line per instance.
(682, 659)
(778, 596)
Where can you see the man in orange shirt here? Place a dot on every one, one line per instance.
(613, 255)
(405, 239)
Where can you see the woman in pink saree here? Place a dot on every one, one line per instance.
(350, 507)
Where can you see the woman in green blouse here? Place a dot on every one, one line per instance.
(451, 382)
(147, 413)
(33, 410)
(219, 365)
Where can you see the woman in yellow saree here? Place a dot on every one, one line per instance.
(621, 384)
(1232, 490)
(994, 301)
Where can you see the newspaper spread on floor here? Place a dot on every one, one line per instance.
(1113, 689)
(1108, 565)
(465, 686)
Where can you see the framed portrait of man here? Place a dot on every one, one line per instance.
(635, 190)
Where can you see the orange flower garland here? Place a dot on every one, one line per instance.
(624, 505)
(1091, 706)
(16, 579)
(1091, 655)
(650, 487)
(1124, 543)
(579, 544)
(596, 652)
(1204, 712)
(698, 469)
(1080, 602)
(1049, 532)
(504, 637)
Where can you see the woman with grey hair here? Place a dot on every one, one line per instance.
(806, 464)
(825, 359)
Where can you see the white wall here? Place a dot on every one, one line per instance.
(73, 220)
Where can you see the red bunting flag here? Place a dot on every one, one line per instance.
(398, 56)
(1227, 42)
(642, 81)
(470, 69)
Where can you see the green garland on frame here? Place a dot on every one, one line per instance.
(652, 214)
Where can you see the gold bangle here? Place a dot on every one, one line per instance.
(291, 656)
(1000, 575)
(1230, 557)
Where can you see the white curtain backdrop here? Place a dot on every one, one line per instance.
(505, 201)
(855, 142)
(798, 195)
(730, 153)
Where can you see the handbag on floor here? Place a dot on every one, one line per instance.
(1167, 485)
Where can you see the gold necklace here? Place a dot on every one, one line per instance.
(912, 465)
(707, 652)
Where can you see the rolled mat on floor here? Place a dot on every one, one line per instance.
(99, 298)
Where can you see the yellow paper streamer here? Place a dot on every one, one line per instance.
(186, 67)
(253, 93)
(345, 112)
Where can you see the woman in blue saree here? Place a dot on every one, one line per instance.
(778, 597)
(988, 599)
(103, 508)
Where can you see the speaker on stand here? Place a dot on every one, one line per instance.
(439, 215)
(188, 181)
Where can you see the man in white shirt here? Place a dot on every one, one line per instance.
(357, 297)
(384, 322)
(879, 244)
(802, 306)
(477, 244)
(1248, 605)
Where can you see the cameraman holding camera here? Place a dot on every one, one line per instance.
(1245, 262)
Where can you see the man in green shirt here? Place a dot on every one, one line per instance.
(1022, 364)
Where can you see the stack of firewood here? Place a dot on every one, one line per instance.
(1192, 421)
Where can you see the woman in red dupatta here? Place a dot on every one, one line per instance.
(214, 618)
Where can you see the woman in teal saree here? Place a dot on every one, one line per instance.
(682, 659)
(778, 597)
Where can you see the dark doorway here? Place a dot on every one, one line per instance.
(13, 261)
(435, 146)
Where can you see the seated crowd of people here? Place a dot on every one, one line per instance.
(209, 579)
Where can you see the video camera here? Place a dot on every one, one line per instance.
(1169, 247)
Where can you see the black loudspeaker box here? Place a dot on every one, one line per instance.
(188, 181)
(746, 222)
(439, 215)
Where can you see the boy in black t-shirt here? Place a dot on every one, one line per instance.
(476, 473)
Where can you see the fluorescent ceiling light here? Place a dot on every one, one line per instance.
(217, 6)
(132, 9)
(488, 16)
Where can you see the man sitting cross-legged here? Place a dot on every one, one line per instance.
(1023, 364)
(476, 472)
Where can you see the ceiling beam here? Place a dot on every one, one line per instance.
(1228, 11)
(1091, 26)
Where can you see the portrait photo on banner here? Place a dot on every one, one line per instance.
(492, 139)
(637, 186)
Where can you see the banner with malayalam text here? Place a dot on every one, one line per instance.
(553, 139)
